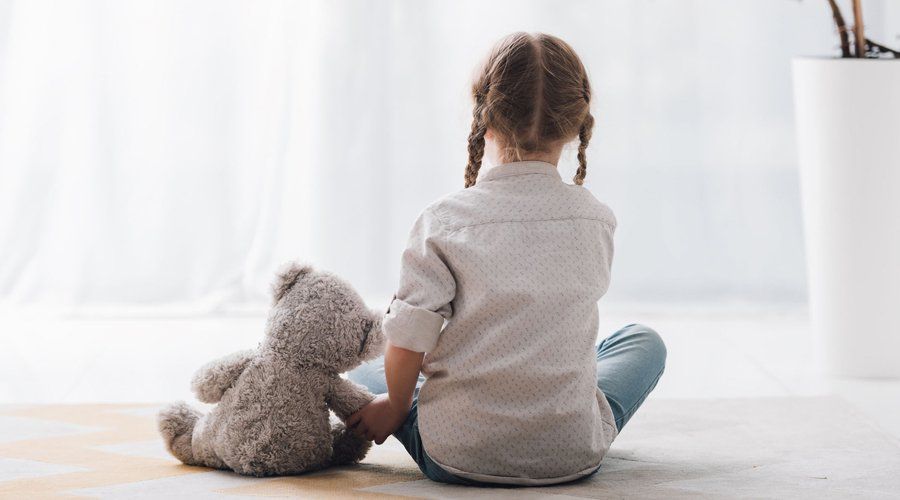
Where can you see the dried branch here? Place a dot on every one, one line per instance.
(874, 49)
(841, 27)
(862, 47)
(859, 29)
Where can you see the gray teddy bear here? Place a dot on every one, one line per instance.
(272, 414)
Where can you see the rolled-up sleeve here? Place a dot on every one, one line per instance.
(416, 316)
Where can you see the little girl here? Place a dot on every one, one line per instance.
(497, 302)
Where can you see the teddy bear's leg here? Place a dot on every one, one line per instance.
(176, 424)
(348, 448)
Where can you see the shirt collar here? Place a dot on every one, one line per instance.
(521, 168)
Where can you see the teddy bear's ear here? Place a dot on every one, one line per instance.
(287, 276)
(373, 346)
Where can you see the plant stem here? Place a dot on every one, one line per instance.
(858, 29)
(841, 27)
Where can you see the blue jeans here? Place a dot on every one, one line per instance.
(629, 364)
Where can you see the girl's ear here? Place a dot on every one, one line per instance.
(287, 276)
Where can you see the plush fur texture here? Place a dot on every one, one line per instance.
(271, 416)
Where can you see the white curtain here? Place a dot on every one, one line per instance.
(142, 150)
(170, 154)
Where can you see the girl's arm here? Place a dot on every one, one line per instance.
(401, 369)
(380, 418)
(412, 325)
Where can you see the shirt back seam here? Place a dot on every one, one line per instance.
(551, 219)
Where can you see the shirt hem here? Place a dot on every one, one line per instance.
(530, 481)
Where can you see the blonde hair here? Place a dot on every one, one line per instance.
(532, 92)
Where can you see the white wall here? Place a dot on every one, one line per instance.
(170, 154)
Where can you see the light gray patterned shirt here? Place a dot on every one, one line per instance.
(499, 286)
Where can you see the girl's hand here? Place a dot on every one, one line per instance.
(384, 415)
(378, 419)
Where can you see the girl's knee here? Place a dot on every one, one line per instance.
(650, 341)
(371, 375)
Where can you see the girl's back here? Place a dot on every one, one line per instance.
(497, 303)
(511, 382)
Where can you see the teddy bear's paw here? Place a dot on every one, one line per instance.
(176, 425)
(348, 448)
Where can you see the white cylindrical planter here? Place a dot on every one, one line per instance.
(848, 139)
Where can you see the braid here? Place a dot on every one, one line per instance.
(532, 93)
(584, 136)
(476, 141)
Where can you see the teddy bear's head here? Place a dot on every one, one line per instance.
(318, 319)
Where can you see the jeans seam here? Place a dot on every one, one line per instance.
(643, 397)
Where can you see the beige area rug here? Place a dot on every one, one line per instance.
(759, 448)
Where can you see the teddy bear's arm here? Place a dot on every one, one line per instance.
(214, 378)
(345, 397)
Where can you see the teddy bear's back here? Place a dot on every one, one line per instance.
(273, 420)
